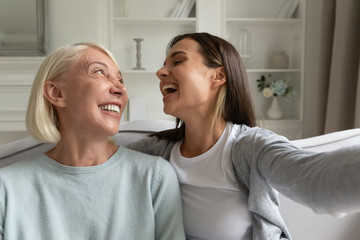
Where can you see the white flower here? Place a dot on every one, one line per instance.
(268, 92)
(273, 88)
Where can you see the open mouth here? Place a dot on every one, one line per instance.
(169, 88)
(110, 108)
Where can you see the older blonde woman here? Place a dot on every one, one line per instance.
(85, 187)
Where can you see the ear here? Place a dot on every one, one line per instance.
(220, 77)
(52, 93)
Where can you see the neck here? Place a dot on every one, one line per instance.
(82, 153)
(200, 136)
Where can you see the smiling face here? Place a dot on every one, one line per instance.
(92, 95)
(186, 82)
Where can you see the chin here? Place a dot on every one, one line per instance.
(167, 110)
(168, 113)
(171, 112)
(111, 130)
(112, 133)
(115, 130)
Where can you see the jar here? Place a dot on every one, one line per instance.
(279, 60)
(244, 47)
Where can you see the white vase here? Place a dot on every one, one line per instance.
(279, 60)
(274, 111)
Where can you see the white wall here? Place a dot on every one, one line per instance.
(74, 21)
(67, 22)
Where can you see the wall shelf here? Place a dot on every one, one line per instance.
(268, 33)
(122, 21)
(264, 22)
(273, 70)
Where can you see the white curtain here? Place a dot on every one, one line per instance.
(343, 96)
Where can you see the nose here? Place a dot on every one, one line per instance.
(117, 87)
(162, 73)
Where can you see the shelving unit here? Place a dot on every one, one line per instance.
(223, 18)
(156, 28)
(156, 34)
(269, 33)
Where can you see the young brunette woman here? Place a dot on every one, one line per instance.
(228, 167)
(85, 187)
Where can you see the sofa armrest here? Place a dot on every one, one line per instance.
(330, 141)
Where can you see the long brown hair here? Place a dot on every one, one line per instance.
(234, 103)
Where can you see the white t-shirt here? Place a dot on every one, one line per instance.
(213, 207)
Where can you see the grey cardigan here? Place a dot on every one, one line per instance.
(327, 182)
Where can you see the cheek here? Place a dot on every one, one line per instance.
(73, 86)
(198, 84)
(125, 100)
(82, 96)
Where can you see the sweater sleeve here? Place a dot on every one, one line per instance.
(153, 146)
(327, 182)
(167, 204)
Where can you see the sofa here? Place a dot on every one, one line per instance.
(301, 221)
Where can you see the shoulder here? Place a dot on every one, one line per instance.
(254, 136)
(147, 162)
(153, 170)
(244, 130)
(20, 174)
(149, 142)
(153, 146)
(19, 168)
(252, 142)
(137, 156)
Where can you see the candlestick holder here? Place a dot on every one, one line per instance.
(138, 54)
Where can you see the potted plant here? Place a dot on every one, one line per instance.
(272, 89)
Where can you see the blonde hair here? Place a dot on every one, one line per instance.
(219, 109)
(41, 117)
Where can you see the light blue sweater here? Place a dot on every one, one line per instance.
(130, 196)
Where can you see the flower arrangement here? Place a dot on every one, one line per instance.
(274, 88)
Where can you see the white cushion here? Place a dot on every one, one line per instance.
(330, 141)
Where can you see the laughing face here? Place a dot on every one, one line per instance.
(186, 82)
(94, 95)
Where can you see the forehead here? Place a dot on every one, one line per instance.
(92, 57)
(95, 55)
(186, 45)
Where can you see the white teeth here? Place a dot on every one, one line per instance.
(169, 88)
(110, 107)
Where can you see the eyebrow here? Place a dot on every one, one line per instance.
(101, 63)
(176, 53)
(91, 63)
